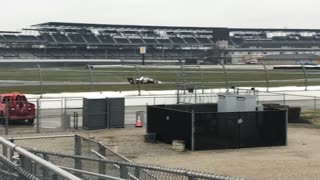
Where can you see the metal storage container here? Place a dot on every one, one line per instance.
(115, 112)
(236, 103)
(94, 112)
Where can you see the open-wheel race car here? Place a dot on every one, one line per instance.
(143, 80)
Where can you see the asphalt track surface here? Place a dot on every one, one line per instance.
(6, 83)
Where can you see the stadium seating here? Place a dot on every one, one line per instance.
(136, 41)
(106, 39)
(12, 38)
(204, 40)
(150, 41)
(177, 40)
(163, 41)
(77, 41)
(190, 40)
(2, 38)
(60, 38)
(122, 40)
(91, 38)
(76, 38)
(28, 38)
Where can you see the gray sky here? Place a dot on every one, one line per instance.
(17, 14)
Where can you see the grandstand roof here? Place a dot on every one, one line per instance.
(89, 25)
(9, 32)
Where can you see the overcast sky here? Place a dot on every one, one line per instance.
(17, 14)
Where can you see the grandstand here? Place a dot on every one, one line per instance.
(57, 40)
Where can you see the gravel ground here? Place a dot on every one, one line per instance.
(299, 160)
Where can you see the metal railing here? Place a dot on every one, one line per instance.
(41, 80)
(84, 158)
(33, 164)
(64, 114)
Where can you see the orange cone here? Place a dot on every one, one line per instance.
(138, 122)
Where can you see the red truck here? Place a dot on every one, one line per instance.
(19, 109)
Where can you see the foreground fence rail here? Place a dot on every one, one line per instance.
(33, 164)
(80, 158)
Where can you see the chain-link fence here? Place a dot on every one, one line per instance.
(64, 114)
(18, 163)
(85, 158)
(39, 80)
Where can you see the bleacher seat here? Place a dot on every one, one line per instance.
(177, 40)
(190, 40)
(60, 38)
(204, 40)
(91, 38)
(11, 38)
(76, 38)
(163, 41)
(28, 38)
(1, 38)
(48, 37)
(106, 39)
(136, 41)
(122, 40)
(150, 41)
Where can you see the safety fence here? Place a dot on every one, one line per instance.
(39, 80)
(54, 114)
(66, 156)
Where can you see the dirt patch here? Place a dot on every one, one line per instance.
(299, 160)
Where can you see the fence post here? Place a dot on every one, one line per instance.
(45, 172)
(77, 152)
(226, 78)
(26, 164)
(201, 77)
(305, 77)
(192, 129)
(5, 151)
(138, 75)
(40, 79)
(91, 76)
(124, 173)
(11, 153)
(6, 120)
(102, 165)
(183, 78)
(75, 120)
(38, 116)
(137, 172)
(315, 107)
(266, 75)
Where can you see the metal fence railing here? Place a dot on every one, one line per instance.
(82, 157)
(40, 80)
(29, 166)
(63, 114)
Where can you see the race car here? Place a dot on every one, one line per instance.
(143, 80)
